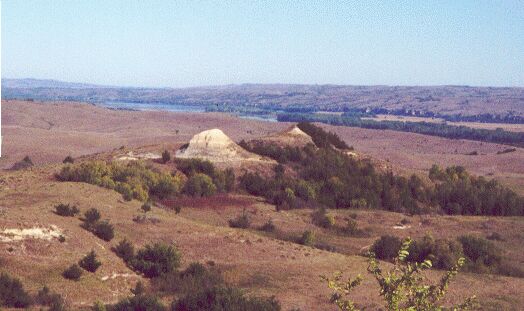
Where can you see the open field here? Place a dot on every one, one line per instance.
(477, 125)
(248, 258)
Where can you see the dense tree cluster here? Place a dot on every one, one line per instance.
(321, 138)
(133, 180)
(204, 179)
(267, 149)
(482, 256)
(435, 129)
(458, 192)
(329, 177)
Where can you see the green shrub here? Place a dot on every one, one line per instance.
(141, 302)
(12, 293)
(54, 301)
(403, 287)
(125, 190)
(269, 226)
(200, 185)
(305, 190)
(351, 229)
(322, 219)
(224, 299)
(132, 180)
(91, 217)
(194, 278)
(386, 247)
(195, 166)
(104, 230)
(308, 238)
(146, 207)
(26, 162)
(66, 210)
(68, 160)
(73, 273)
(442, 253)
(155, 260)
(61, 239)
(480, 251)
(125, 250)
(166, 156)
(139, 288)
(90, 262)
(98, 306)
(241, 221)
(322, 138)
(495, 236)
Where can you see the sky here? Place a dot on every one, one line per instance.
(195, 43)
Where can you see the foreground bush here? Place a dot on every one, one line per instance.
(241, 221)
(403, 287)
(224, 299)
(125, 250)
(308, 238)
(155, 260)
(224, 181)
(166, 156)
(54, 301)
(66, 210)
(104, 230)
(141, 302)
(26, 162)
(200, 185)
(68, 160)
(484, 257)
(12, 293)
(196, 277)
(269, 226)
(91, 217)
(322, 219)
(386, 248)
(442, 253)
(90, 262)
(73, 273)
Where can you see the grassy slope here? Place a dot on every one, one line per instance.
(260, 264)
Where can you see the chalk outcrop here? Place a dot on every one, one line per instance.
(215, 146)
(292, 136)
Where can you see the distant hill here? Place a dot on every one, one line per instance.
(443, 100)
(45, 83)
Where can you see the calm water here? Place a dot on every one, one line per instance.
(177, 108)
(153, 107)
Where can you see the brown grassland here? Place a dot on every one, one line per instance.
(261, 263)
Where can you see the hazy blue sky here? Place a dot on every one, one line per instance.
(179, 43)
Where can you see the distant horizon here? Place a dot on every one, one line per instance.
(181, 44)
(254, 83)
